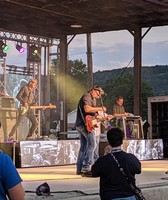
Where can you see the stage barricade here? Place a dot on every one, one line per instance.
(64, 152)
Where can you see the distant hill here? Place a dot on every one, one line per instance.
(157, 76)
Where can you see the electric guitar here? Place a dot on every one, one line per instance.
(92, 122)
(24, 109)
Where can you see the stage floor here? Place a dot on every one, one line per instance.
(64, 182)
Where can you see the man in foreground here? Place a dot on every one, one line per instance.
(10, 181)
(113, 185)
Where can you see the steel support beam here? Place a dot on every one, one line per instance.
(137, 71)
(63, 85)
(89, 61)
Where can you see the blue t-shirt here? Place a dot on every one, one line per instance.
(9, 177)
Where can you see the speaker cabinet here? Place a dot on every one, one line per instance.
(8, 119)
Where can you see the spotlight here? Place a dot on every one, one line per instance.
(20, 48)
(2, 49)
(4, 46)
(34, 50)
(34, 53)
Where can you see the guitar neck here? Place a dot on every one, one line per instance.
(39, 107)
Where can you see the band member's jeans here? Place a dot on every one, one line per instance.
(30, 115)
(96, 150)
(87, 147)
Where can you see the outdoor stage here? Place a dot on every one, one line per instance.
(65, 184)
(57, 168)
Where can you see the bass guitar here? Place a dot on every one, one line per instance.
(24, 109)
(92, 122)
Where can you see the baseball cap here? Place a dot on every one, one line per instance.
(98, 88)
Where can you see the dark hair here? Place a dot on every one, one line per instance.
(119, 97)
(115, 137)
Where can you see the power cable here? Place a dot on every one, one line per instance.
(64, 192)
(122, 72)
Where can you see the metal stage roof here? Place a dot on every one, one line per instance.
(53, 18)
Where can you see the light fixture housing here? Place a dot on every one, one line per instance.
(4, 46)
(20, 48)
(34, 54)
(76, 26)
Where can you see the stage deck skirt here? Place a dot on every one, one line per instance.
(64, 152)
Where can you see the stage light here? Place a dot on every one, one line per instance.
(20, 48)
(34, 53)
(4, 46)
(2, 49)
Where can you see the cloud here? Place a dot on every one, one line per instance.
(155, 53)
(110, 50)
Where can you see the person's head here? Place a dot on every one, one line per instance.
(120, 100)
(115, 137)
(96, 91)
(32, 83)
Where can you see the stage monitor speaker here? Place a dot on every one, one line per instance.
(7, 102)
(7, 148)
(8, 120)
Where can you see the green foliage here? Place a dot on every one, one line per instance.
(76, 79)
(156, 76)
(125, 87)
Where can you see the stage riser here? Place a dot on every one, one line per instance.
(143, 149)
(65, 152)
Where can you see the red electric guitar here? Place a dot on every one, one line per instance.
(92, 122)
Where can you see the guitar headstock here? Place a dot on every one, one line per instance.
(51, 106)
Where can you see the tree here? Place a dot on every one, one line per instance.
(76, 81)
(125, 87)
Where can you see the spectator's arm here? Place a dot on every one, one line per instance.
(17, 192)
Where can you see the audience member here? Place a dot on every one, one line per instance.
(113, 185)
(10, 180)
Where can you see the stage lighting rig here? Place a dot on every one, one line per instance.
(19, 48)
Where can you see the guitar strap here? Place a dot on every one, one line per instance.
(82, 115)
(101, 100)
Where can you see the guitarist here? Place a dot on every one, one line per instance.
(26, 98)
(87, 106)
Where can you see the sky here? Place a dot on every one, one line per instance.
(110, 50)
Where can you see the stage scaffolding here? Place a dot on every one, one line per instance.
(33, 68)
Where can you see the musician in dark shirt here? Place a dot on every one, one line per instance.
(26, 98)
(87, 106)
(113, 184)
